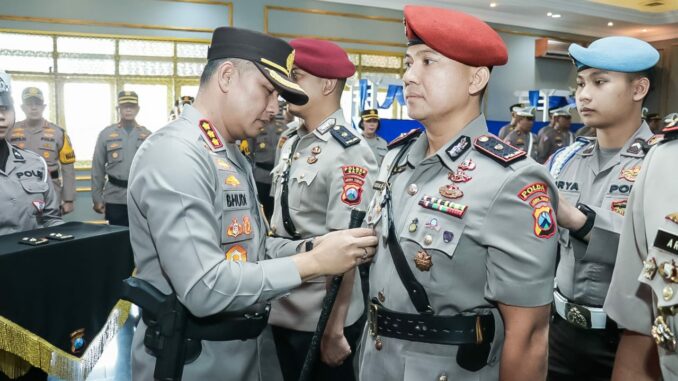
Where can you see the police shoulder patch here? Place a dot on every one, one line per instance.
(498, 150)
(345, 137)
(404, 138)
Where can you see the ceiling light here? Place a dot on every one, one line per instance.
(556, 16)
(493, 4)
(549, 14)
(610, 23)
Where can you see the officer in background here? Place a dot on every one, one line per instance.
(325, 171)
(595, 177)
(370, 124)
(115, 148)
(50, 141)
(262, 153)
(27, 197)
(456, 294)
(505, 130)
(179, 106)
(643, 293)
(655, 123)
(558, 136)
(586, 131)
(522, 137)
(195, 225)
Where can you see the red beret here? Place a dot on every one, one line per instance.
(322, 58)
(455, 35)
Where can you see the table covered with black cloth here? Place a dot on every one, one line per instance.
(59, 302)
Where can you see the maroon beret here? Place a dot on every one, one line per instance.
(455, 35)
(321, 58)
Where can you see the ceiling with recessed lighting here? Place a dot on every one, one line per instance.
(651, 20)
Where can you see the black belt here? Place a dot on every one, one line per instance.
(264, 166)
(288, 224)
(117, 182)
(446, 330)
(54, 174)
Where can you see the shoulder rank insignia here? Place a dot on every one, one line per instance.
(404, 138)
(564, 155)
(670, 133)
(344, 136)
(498, 150)
(210, 135)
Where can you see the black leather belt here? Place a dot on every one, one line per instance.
(117, 182)
(288, 224)
(264, 166)
(447, 330)
(54, 174)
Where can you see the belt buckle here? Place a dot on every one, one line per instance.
(372, 320)
(578, 315)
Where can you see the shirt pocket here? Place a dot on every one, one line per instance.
(429, 241)
(299, 186)
(35, 193)
(114, 151)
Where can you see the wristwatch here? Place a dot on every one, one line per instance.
(588, 225)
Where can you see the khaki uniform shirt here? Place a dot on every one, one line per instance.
(586, 131)
(524, 141)
(551, 141)
(113, 154)
(501, 250)
(323, 189)
(505, 130)
(379, 147)
(262, 150)
(638, 290)
(27, 198)
(585, 270)
(196, 228)
(53, 144)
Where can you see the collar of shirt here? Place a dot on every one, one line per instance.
(643, 132)
(321, 132)
(417, 153)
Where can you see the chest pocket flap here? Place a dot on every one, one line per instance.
(435, 232)
(114, 151)
(34, 186)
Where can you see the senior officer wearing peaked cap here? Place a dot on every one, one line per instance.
(195, 224)
(594, 178)
(326, 170)
(456, 294)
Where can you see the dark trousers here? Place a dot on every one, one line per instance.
(292, 347)
(265, 199)
(580, 354)
(116, 214)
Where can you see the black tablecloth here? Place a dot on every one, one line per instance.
(58, 288)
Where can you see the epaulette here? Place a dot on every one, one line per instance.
(344, 136)
(670, 133)
(498, 150)
(404, 138)
(562, 156)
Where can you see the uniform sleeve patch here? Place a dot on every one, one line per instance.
(66, 155)
(531, 189)
(354, 179)
(544, 223)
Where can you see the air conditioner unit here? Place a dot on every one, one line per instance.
(547, 48)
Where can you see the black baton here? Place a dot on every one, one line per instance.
(357, 217)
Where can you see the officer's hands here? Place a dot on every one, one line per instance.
(336, 253)
(568, 216)
(99, 207)
(66, 207)
(334, 349)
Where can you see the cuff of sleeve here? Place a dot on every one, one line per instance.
(523, 294)
(281, 274)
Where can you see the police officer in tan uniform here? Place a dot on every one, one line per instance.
(370, 124)
(115, 148)
(195, 225)
(505, 130)
(522, 137)
(325, 171)
(262, 153)
(27, 197)
(643, 292)
(456, 294)
(558, 136)
(48, 140)
(595, 178)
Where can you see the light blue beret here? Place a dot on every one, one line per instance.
(616, 53)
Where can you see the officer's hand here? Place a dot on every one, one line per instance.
(66, 207)
(334, 349)
(568, 216)
(339, 251)
(99, 207)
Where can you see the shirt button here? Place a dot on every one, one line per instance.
(412, 189)
(443, 377)
(428, 239)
